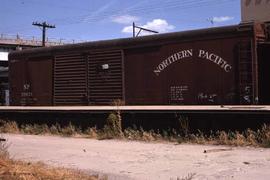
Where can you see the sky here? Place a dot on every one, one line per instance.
(92, 20)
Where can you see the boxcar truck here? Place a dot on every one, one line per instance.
(216, 66)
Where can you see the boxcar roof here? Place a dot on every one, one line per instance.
(151, 40)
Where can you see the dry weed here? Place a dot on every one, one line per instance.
(183, 125)
(132, 134)
(55, 129)
(69, 130)
(3, 148)
(9, 127)
(223, 138)
(198, 138)
(148, 136)
(91, 132)
(188, 177)
(19, 170)
(264, 135)
(239, 139)
(251, 137)
(35, 129)
(113, 129)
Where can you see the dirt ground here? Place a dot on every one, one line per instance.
(139, 160)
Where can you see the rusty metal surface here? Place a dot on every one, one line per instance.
(92, 78)
(264, 73)
(17, 79)
(31, 81)
(260, 31)
(70, 79)
(105, 77)
(40, 80)
(198, 72)
(246, 80)
(201, 67)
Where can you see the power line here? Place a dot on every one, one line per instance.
(183, 6)
(88, 18)
(146, 10)
(139, 10)
(54, 5)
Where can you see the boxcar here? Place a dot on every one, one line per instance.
(219, 66)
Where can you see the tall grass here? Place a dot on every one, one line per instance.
(9, 127)
(113, 129)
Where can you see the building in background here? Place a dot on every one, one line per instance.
(255, 10)
(4, 93)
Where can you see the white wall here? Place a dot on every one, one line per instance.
(255, 10)
(3, 56)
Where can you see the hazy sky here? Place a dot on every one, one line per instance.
(89, 20)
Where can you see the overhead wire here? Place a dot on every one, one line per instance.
(110, 14)
(150, 9)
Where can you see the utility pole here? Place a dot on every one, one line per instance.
(44, 25)
(133, 26)
(140, 29)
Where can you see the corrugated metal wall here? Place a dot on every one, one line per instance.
(93, 78)
(70, 79)
(105, 77)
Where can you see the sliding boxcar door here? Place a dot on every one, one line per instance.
(70, 79)
(39, 78)
(105, 77)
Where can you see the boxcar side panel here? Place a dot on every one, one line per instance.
(197, 72)
(39, 72)
(18, 83)
(31, 81)
(140, 84)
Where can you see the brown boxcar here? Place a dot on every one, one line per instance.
(224, 65)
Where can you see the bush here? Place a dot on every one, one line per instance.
(112, 129)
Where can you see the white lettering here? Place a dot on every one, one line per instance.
(216, 59)
(227, 68)
(161, 66)
(189, 53)
(171, 59)
(157, 71)
(201, 52)
(212, 57)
